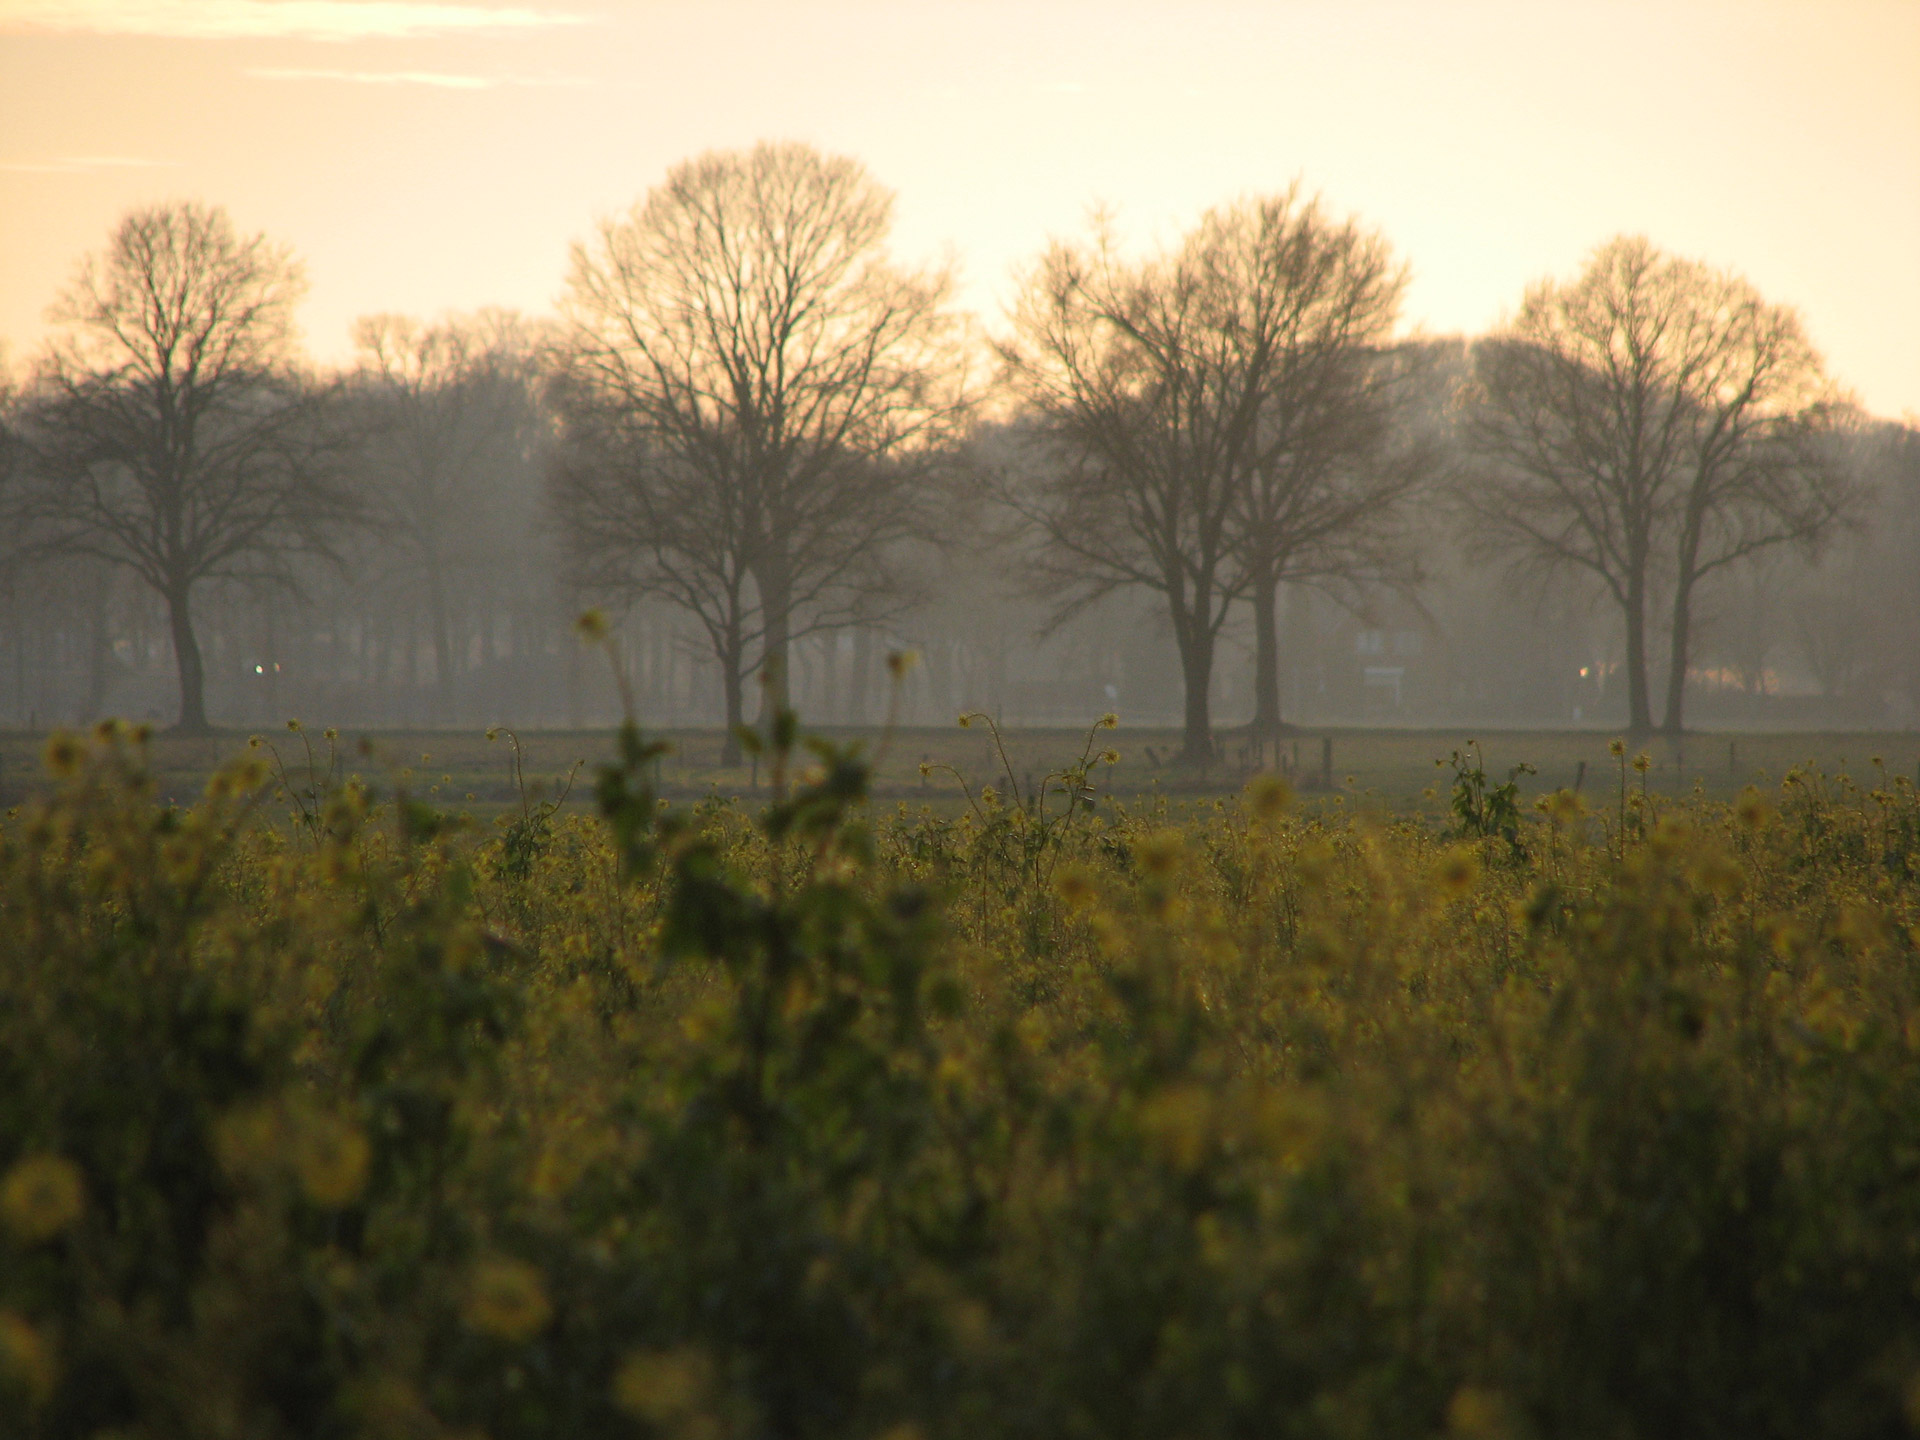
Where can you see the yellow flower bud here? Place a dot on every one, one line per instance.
(41, 1196)
(507, 1299)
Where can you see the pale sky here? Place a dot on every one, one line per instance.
(423, 156)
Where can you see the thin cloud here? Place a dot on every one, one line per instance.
(274, 19)
(83, 165)
(380, 77)
(436, 78)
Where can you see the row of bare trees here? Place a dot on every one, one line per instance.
(1653, 423)
(1217, 421)
(748, 410)
(755, 403)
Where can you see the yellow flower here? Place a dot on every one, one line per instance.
(1671, 837)
(1752, 810)
(294, 726)
(665, 1388)
(65, 754)
(1109, 721)
(1563, 807)
(1616, 748)
(966, 721)
(555, 1172)
(591, 627)
(41, 1196)
(1074, 885)
(26, 1358)
(330, 1159)
(389, 1408)
(1160, 853)
(507, 1299)
(1478, 1412)
(1643, 762)
(1457, 873)
(1109, 934)
(1178, 1122)
(1717, 873)
(1268, 796)
(1109, 757)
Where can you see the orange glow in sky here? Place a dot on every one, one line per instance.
(424, 156)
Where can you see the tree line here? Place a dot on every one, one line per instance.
(747, 411)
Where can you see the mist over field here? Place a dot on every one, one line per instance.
(1219, 470)
(835, 720)
(1132, 380)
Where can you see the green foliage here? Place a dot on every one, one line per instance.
(1483, 811)
(807, 1122)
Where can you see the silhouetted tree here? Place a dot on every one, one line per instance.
(1215, 420)
(635, 522)
(168, 430)
(1320, 490)
(763, 369)
(1654, 422)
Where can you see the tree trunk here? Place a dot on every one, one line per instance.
(410, 638)
(1685, 574)
(271, 670)
(1639, 711)
(442, 647)
(732, 685)
(186, 658)
(99, 649)
(860, 683)
(776, 605)
(572, 652)
(1673, 724)
(1196, 671)
(1265, 591)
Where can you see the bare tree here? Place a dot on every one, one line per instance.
(637, 522)
(1147, 411)
(168, 431)
(1321, 487)
(770, 372)
(1654, 422)
(447, 415)
(1217, 419)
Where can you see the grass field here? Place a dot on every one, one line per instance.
(1393, 769)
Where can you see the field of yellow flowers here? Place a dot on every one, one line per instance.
(326, 1114)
